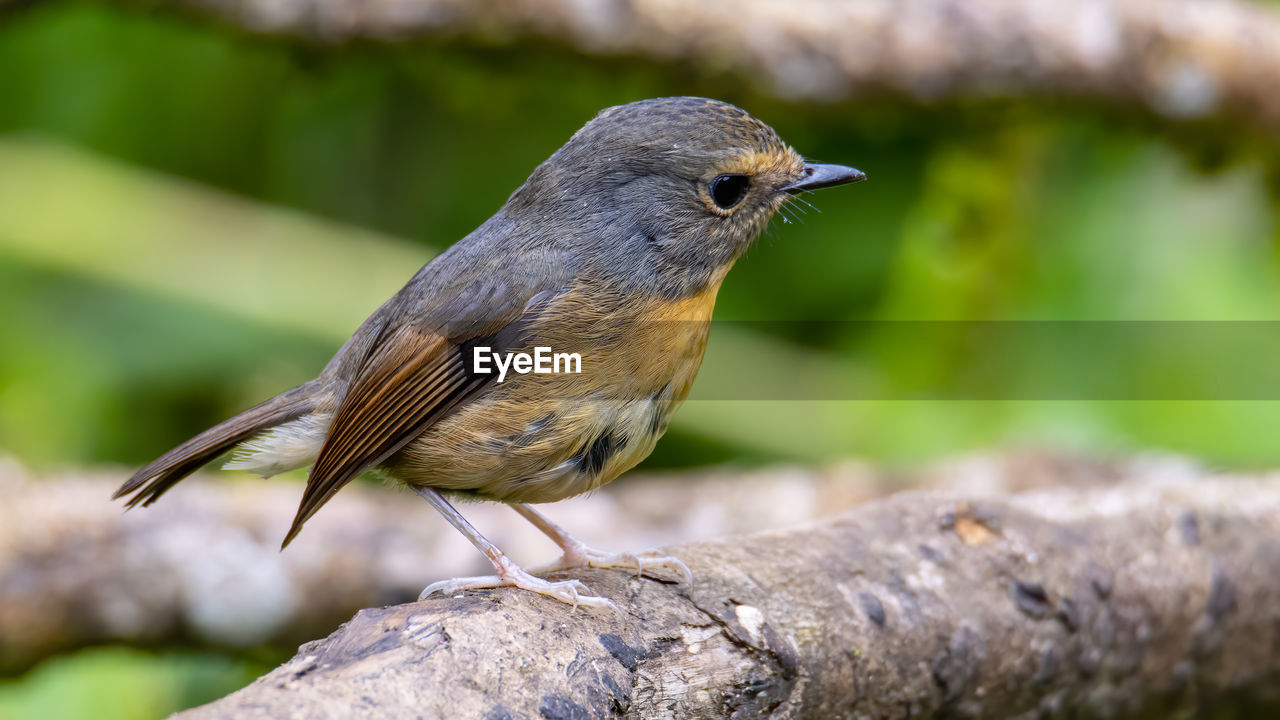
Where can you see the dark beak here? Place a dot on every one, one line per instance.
(820, 176)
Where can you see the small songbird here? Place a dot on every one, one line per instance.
(610, 254)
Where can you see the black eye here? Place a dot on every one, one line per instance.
(728, 190)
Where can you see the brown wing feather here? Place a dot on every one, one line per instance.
(410, 381)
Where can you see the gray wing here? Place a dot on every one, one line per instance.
(409, 371)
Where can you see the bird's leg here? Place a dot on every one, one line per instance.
(509, 573)
(577, 554)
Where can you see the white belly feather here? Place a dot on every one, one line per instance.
(289, 446)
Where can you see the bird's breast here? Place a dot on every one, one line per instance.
(540, 437)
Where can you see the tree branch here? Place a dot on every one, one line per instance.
(203, 567)
(1147, 599)
(1180, 58)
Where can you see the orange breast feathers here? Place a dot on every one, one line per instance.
(531, 438)
(639, 347)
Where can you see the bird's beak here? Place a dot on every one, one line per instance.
(820, 176)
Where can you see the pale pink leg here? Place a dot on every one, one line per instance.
(509, 573)
(576, 554)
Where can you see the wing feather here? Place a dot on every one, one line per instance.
(413, 374)
(412, 379)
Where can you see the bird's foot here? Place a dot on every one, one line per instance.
(572, 592)
(580, 555)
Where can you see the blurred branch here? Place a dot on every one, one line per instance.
(1181, 58)
(1149, 599)
(202, 568)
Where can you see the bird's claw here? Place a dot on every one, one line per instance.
(641, 563)
(572, 592)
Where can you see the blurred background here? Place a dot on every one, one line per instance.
(197, 206)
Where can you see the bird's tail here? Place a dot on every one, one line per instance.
(166, 471)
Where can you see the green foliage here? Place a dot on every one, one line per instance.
(122, 684)
(147, 308)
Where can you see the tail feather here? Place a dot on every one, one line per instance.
(166, 471)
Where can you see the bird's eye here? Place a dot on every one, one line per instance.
(728, 190)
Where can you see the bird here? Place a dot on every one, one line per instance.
(613, 251)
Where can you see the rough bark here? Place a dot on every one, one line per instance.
(1181, 58)
(1148, 599)
(203, 567)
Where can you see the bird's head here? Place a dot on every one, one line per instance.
(672, 189)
